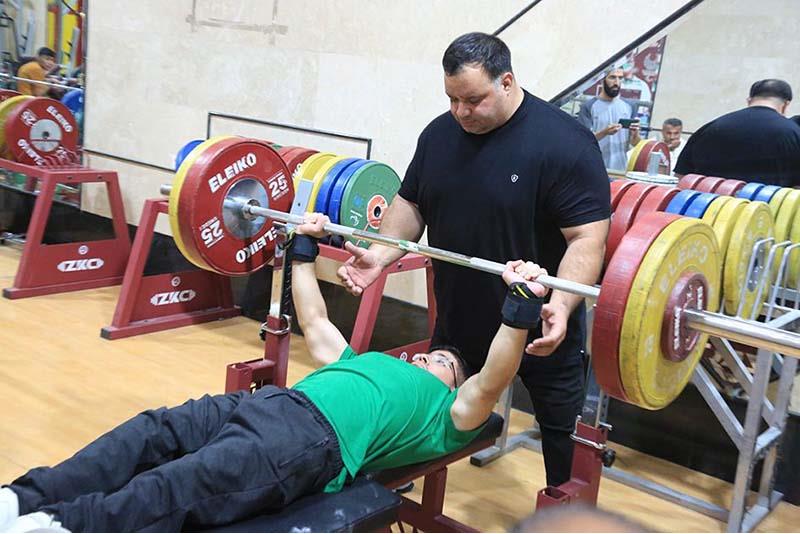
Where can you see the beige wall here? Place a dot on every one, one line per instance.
(721, 48)
(368, 69)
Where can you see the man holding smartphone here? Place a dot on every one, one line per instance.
(611, 120)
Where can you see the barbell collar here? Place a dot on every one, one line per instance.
(715, 324)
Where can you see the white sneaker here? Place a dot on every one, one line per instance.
(9, 508)
(36, 522)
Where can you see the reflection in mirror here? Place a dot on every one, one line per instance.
(697, 69)
(42, 54)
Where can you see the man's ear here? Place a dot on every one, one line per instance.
(507, 80)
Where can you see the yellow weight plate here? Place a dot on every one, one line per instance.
(754, 223)
(725, 221)
(635, 154)
(787, 211)
(310, 166)
(794, 255)
(786, 214)
(777, 199)
(649, 379)
(318, 177)
(174, 199)
(6, 107)
(714, 208)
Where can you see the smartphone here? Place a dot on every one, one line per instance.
(626, 123)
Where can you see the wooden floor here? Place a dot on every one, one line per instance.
(61, 385)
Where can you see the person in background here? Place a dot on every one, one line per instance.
(37, 69)
(611, 119)
(755, 144)
(671, 131)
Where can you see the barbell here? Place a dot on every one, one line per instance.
(654, 311)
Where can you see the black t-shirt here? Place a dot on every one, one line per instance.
(501, 196)
(755, 144)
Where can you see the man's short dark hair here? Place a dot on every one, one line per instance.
(464, 370)
(675, 123)
(46, 52)
(482, 49)
(771, 88)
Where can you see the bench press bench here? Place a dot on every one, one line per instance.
(369, 504)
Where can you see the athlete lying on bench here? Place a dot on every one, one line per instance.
(219, 459)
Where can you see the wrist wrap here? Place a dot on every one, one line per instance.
(303, 248)
(522, 307)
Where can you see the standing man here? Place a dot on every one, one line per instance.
(38, 69)
(757, 143)
(671, 132)
(602, 115)
(504, 174)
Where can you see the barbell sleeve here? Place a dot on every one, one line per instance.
(716, 324)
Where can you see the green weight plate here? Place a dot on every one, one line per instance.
(367, 196)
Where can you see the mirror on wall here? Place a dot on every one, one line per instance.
(42, 54)
(699, 68)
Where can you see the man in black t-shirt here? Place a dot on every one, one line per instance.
(757, 143)
(504, 175)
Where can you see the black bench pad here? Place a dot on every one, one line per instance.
(364, 506)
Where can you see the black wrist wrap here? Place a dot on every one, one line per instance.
(522, 308)
(303, 248)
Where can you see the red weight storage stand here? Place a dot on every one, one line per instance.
(163, 301)
(47, 269)
(271, 369)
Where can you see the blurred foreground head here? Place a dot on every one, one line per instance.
(576, 518)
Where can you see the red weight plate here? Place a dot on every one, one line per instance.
(643, 159)
(295, 158)
(730, 187)
(709, 184)
(613, 299)
(42, 131)
(618, 187)
(241, 169)
(5, 94)
(677, 339)
(624, 215)
(689, 181)
(656, 200)
(285, 150)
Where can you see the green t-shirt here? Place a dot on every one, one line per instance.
(386, 412)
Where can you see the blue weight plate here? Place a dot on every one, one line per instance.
(184, 151)
(750, 190)
(73, 99)
(335, 201)
(326, 188)
(765, 193)
(700, 204)
(680, 202)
